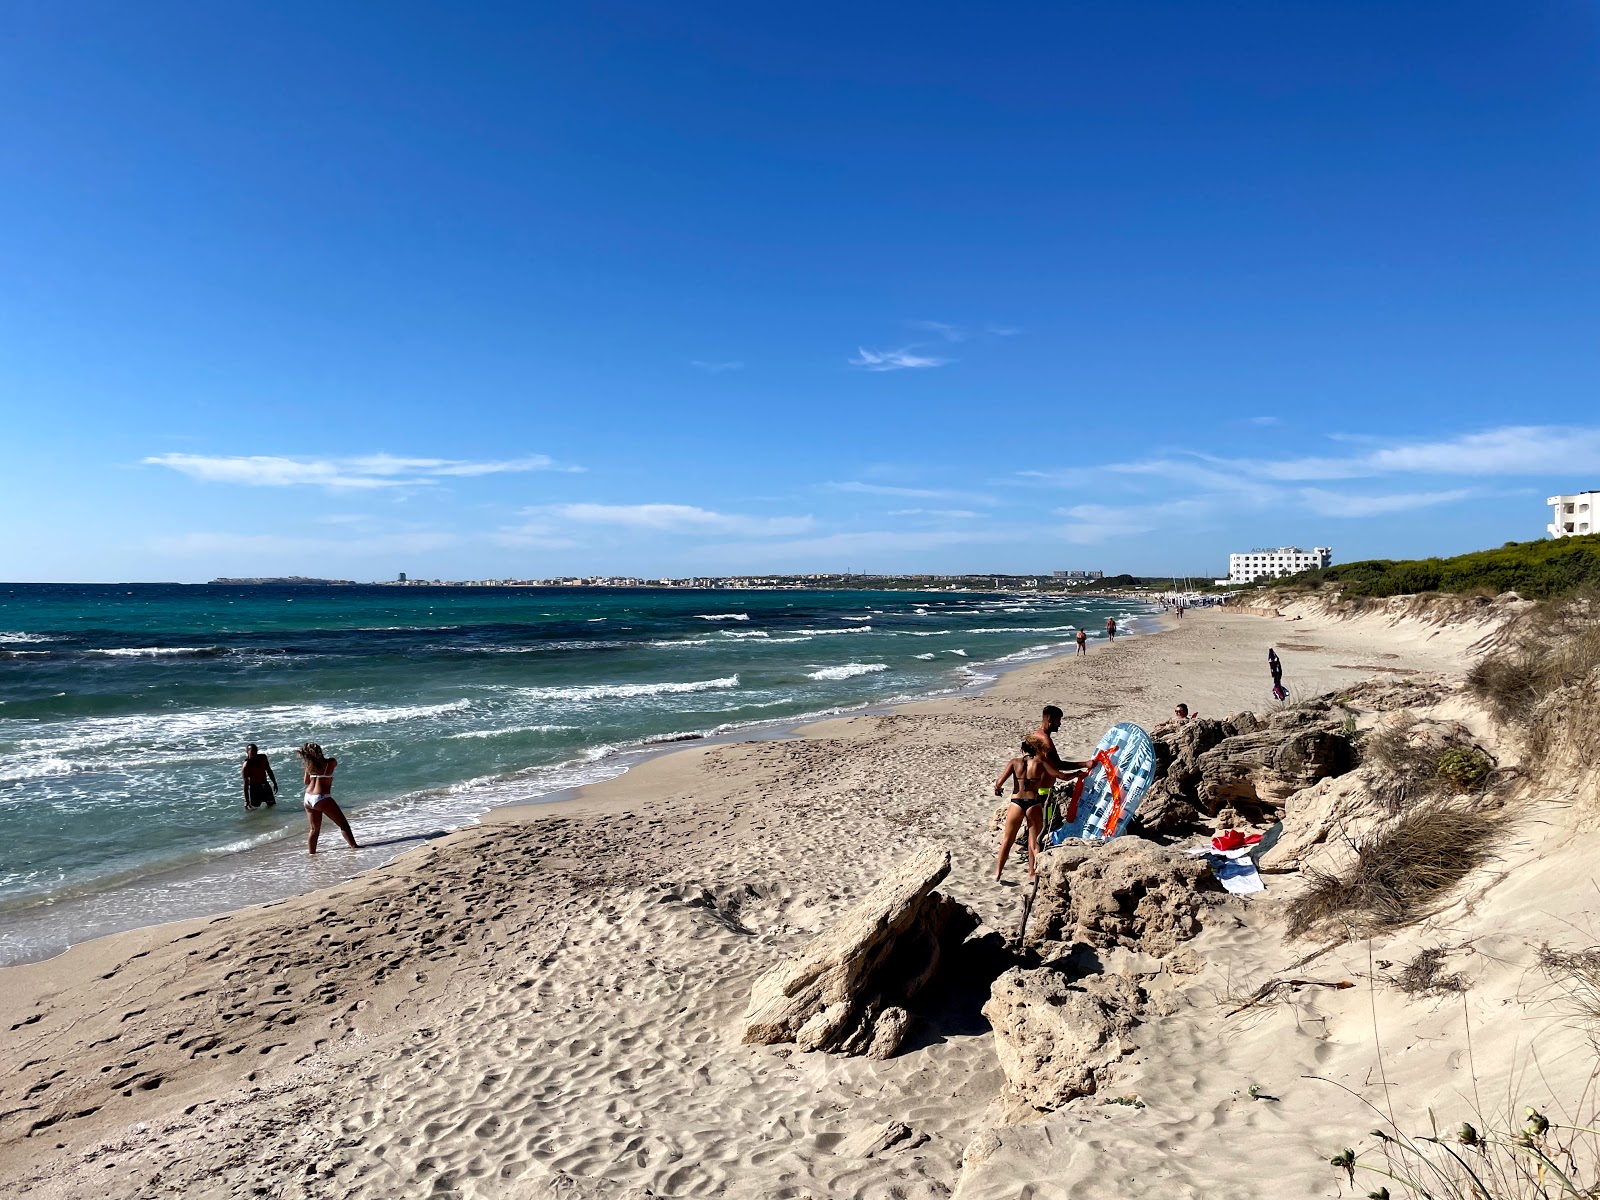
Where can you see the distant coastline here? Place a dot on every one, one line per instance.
(295, 580)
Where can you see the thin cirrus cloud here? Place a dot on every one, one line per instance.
(895, 360)
(1339, 504)
(668, 518)
(1509, 450)
(950, 333)
(716, 368)
(360, 472)
(958, 514)
(908, 493)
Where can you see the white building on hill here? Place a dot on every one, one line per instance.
(1574, 514)
(1276, 563)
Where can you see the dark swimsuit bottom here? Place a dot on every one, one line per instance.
(262, 793)
(1025, 805)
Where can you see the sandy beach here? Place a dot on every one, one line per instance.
(548, 1004)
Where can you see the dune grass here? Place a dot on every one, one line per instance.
(1400, 874)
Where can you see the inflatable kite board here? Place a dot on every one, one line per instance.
(1105, 799)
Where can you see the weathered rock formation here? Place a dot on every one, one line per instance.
(1127, 893)
(848, 989)
(1260, 770)
(1324, 824)
(1242, 768)
(1057, 1039)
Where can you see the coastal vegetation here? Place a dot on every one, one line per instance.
(1534, 570)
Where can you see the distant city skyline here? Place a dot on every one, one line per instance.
(672, 290)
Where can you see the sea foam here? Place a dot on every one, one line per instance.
(848, 670)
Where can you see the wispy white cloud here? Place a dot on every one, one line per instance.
(1261, 420)
(295, 548)
(958, 514)
(895, 360)
(950, 333)
(671, 518)
(361, 472)
(1509, 450)
(1095, 524)
(832, 551)
(1338, 504)
(716, 368)
(908, 493)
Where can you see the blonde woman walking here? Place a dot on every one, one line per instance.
(319, 801)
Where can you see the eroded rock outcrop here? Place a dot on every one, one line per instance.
(1057, 1039)
(1259, 770)
(847, 990)
(1128, 893)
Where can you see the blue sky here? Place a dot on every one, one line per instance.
(521, 290)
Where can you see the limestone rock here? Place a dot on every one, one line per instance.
(1320, 824)
(847, 989)
(1297, 748)
(1171, 805)
(1058, 1040)
(1127, 893)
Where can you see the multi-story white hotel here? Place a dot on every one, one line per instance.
(1275, 563)
(1574, 514)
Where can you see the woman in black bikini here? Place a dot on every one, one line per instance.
(1026, 774)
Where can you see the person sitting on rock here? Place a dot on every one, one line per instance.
(1025, 773)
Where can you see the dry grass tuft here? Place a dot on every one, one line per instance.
(1424, 975)
(1577, 974)
(1406, 770)
(1399, 874)
(1554, 645)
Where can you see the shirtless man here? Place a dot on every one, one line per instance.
(1083, 642)
(1049, 723)
(255, 773)
(1111, 629)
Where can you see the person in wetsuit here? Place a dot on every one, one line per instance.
(1025, 773)
(255, 773)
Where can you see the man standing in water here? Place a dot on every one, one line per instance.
(1111, 628)
(255, 773)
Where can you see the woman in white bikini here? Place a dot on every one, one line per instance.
(319, 800)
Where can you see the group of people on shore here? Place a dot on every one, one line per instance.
(1038, 770)
(261, 789)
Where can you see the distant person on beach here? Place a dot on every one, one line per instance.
(1182, 712)
(1083, 642)
(1027, 774)
(1276, 667)
(319, 801)
(255, 773)
(1111, 628)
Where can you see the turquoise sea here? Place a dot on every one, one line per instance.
(125, 710)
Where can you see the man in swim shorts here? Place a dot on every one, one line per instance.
(1083, 642)
(255, 773)
(1111, 629)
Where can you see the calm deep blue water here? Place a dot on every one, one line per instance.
(125, 709)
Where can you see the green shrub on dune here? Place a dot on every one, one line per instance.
(1534, 570)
